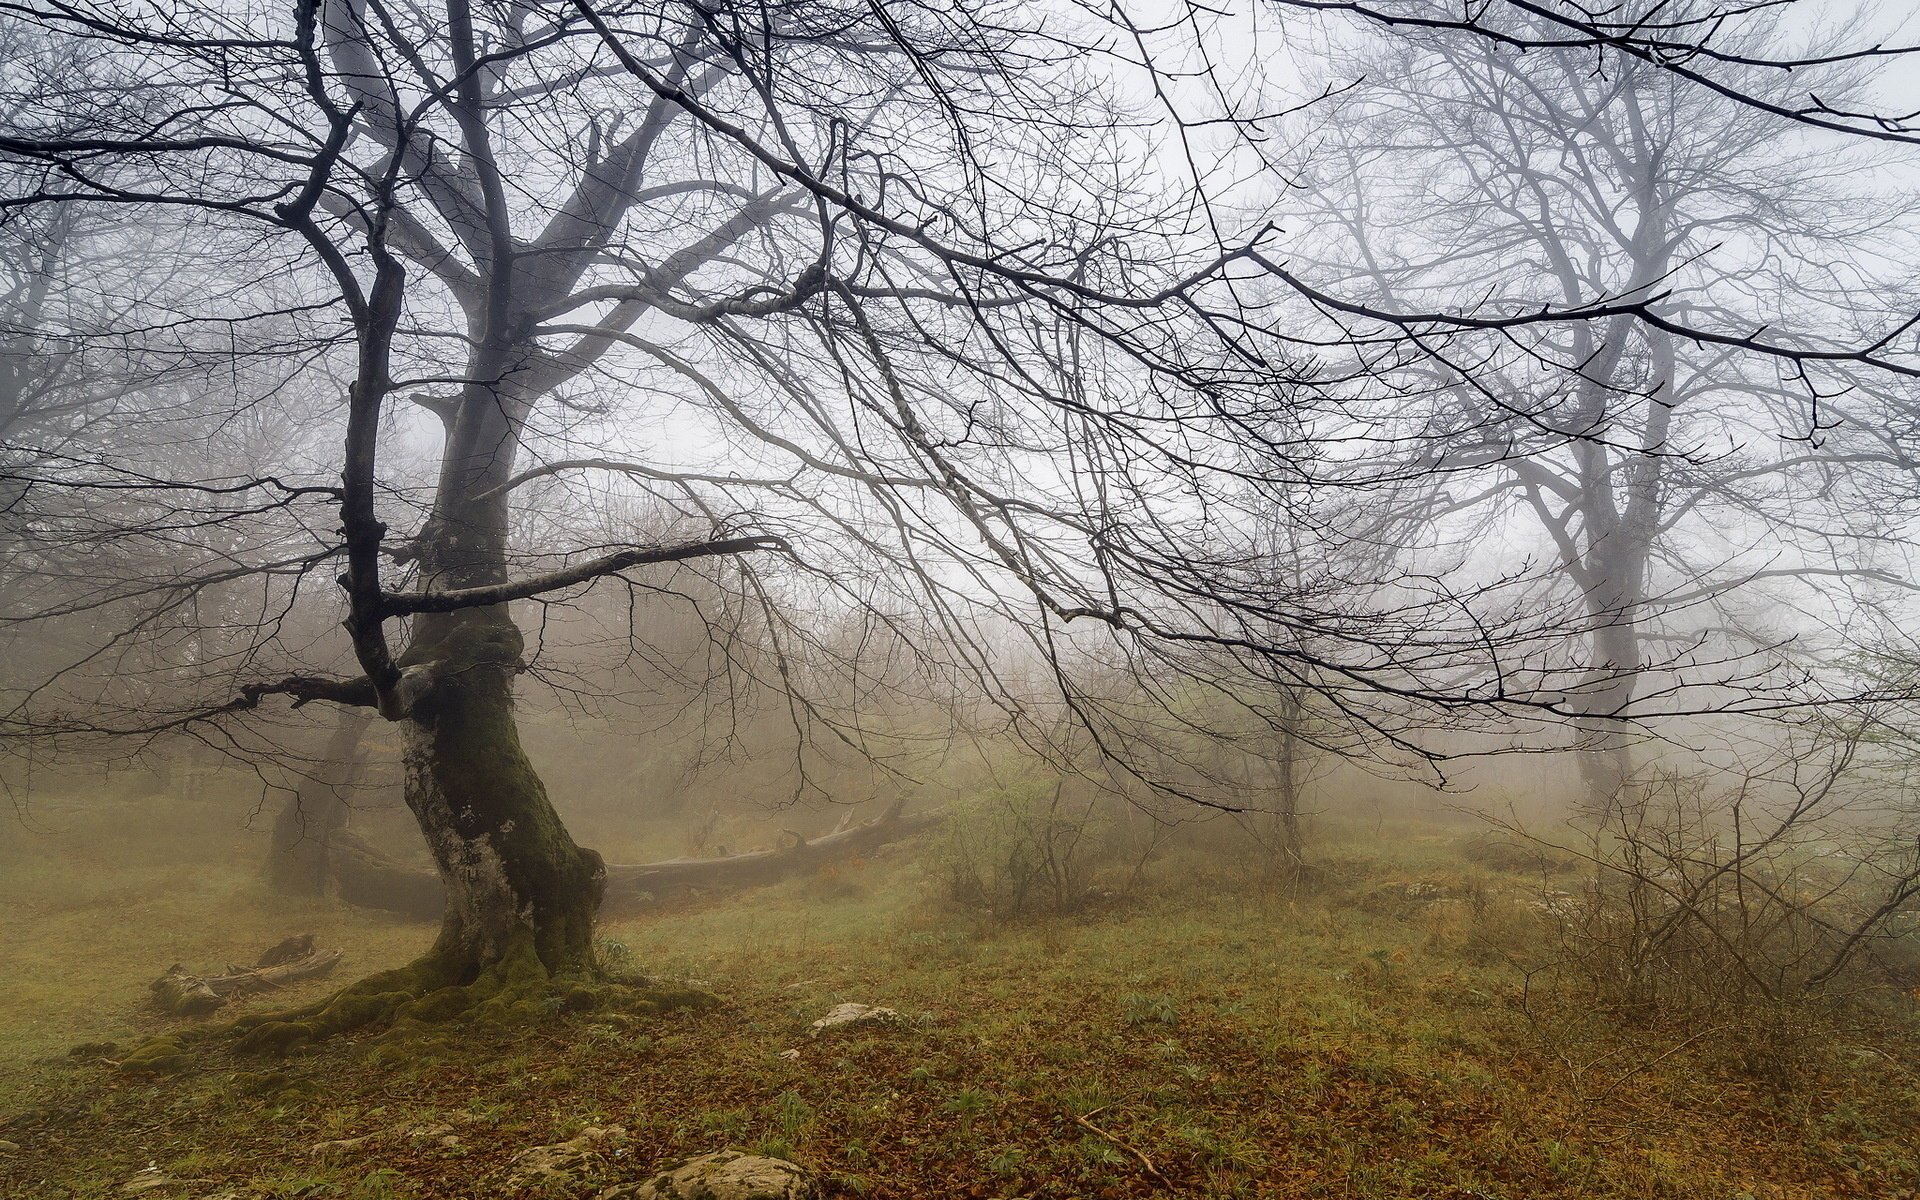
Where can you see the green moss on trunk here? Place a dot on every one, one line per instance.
(510, 865)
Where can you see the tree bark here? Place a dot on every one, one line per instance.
(511, 870)
(1287, 766)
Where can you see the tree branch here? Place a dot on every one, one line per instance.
(455, 599)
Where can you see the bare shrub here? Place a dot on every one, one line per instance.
(1041, 847)
(1758, 909)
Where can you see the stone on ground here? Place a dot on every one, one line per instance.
(728, 1175)
(563, 1162)
(848, 1016)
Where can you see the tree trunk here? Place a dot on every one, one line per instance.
(1606, 762)
(1287, 811)
(299, 857)
(512, 872)
(1293, 713)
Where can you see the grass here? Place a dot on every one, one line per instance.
(1365, 1042)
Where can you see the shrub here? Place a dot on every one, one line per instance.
(1034, 848)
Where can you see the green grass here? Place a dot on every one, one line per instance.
(1350, 1043)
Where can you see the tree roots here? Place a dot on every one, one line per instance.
(516, 990)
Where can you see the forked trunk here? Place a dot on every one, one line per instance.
(512, 872)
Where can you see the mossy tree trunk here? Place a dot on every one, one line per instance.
(512, 871)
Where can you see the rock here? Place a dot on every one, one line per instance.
(728, 1175)
(9, 1147)
(146, 1181)
(791, 1053)
(339, 1144)
(540, 1165)
(846, 1016)
(429, 1133)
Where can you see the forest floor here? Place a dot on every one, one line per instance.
(1363, 1040)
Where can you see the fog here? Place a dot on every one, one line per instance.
(949, 598)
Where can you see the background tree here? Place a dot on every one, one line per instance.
(1675, 483)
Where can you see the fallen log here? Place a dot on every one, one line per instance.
(756, 867)
(184, 994)
(367, 878)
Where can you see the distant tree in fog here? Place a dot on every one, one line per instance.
(1675, 482)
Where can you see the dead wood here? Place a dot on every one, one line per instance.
(367, 878)
(184, 994)
(1146, 1163)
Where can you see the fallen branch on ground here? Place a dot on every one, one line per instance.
(184, 994)
(1146, 1163)
(367, 878)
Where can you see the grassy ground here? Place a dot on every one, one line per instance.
(1359, 1042)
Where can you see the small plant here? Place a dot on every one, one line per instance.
(774, 1148)
(1097, 1153)
(487, 1112)
(728, 1123)
(1032, 848)
(615, 956)
(383, 1183)
(1234, 1153)
(298, 1187)
(1566, 1162)
(968, 1103)
(1086, 1098)
(791, 1114)
(1149, 1008)
(1007, 1161)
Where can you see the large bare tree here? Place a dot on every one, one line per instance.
(895, 308)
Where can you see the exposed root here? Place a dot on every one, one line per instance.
(516, 990)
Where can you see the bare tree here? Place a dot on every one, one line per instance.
(1674, 483)
(885, 306)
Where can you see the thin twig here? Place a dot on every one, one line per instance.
(1145, 1162)
(1671, 1051)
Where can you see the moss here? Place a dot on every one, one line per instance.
(371, 1002)
(159, 1056)
(662, 998)
(581, 997)
(442, 1004)
(275, 1037)
(464, 643)
(413, 1046)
